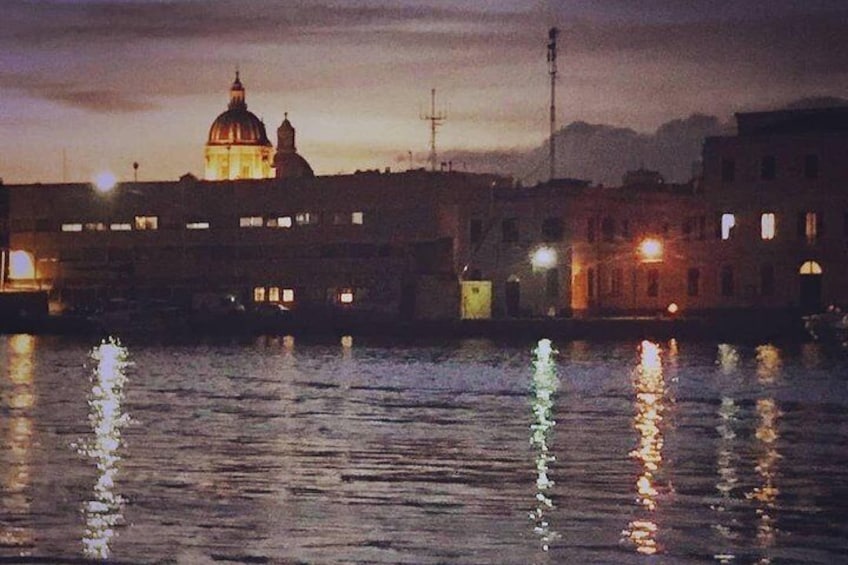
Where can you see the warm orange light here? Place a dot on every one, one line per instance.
(651, 250)
(673, 308)
(21, 265)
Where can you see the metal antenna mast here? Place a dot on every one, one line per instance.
(435, 120)
(552, 70)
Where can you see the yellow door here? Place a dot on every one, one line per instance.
(476, 300)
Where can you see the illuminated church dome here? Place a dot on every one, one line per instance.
(238, 147)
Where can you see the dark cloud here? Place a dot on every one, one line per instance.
(108, 101)
(75, 94)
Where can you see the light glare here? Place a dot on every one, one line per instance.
(21, 265)
(105, 181)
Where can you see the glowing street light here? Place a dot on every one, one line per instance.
(105, 181)
(651, 250)
(543, 258)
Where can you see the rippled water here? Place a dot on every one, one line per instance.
(282, 451)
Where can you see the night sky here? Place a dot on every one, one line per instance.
(109, 82)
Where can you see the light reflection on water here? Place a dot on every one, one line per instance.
(104, 513)
(542, 403)
(287, 450)
(15, 530)
(649, 385)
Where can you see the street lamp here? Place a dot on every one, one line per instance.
(105, 181)
(543, 258)
(650, 250)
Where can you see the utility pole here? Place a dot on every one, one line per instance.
(552, 71)
(435, 119)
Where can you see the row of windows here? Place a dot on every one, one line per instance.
(768, 169)
(809, 226)
(286, 296)
(146, 223)
(727, 284)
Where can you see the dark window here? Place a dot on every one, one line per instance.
(702, 227)
(728, 170)
(590, 230)
(590, 282)
(509, 230)
(688, 228)
(845, 223)
(42, 224)
(768, 167)
(693, 282)
(625, 229)
(653, 282)
(608, 229)
(727, 281)
(552, 283)
(767, 280)
(552, 229)
(475, 230)
(616, 279)
(811, 166)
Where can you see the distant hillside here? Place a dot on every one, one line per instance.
(603, 153)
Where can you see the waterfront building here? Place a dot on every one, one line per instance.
(764, 229)
(378, 243)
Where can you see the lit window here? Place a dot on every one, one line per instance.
(71, 227)
(147, 222)
(274, 294)
(767, 224)
(728, 222)
(810, 268)
(121, 227)
(346, 296)
(95, 226)
(259, 294)
(250, 222)
(357, 218)
(306, 218)
(279, 222)
(197, 226)
(811, 226)
(21, 265)
(288, 295)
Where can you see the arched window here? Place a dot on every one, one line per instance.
(810, 268)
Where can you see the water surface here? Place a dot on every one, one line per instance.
(280, 450)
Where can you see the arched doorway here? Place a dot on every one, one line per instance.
(810, 286)
(513, 296)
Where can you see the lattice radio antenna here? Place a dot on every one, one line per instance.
(552, 70)
(436, 119)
